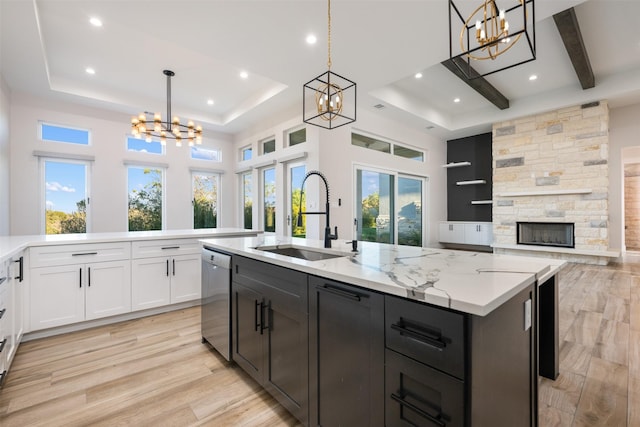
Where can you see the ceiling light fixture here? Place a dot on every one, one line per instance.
(244, 75)
(144, 128)
(327, 94)
(533, 77)
(311, 39)
(209, 101)
(90, 70)
(488, 32)
(96, 22)
(456, 100)
(418, 75)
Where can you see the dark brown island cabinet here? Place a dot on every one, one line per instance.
(335, 354)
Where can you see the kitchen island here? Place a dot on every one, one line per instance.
(390, 335)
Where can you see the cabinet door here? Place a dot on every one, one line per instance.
(346, 342)
(108, 289)
(150, 283)
(19, 270)
(57, 296)
(477, 234)
(451, 232)
(247, 329)
(185, 278)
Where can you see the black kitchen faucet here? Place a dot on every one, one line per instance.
(328, 237)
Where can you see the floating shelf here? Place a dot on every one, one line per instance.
(473, 182)
(482, 202)
(456, 164)
(545, 193)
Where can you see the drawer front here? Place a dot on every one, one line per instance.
(417, 395)
(47, 256)
(169, 247)
(427, 334)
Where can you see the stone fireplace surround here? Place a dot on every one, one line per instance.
(553, 167)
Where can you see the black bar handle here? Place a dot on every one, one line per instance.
(425, 339)
(262, 317)
(436, 420)
(167, 268)
(343, 292)
(3, 375)
(20, 262)
(2, 312)
(256, 321)
(89, 276)
(170, 247)
(85, 253)
(2, 280)
(80, 281)
(266, 322)
(174, 266)
(2, 344)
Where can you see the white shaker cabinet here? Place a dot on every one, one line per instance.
(67, 287)
(165, 272)
(466, 233)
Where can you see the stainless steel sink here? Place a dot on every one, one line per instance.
(303, 252)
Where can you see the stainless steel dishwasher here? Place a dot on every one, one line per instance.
(216, 301)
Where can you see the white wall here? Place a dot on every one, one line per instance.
(624, 134)
(4, 158)
(109, 177)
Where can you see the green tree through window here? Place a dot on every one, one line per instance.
(145, 199)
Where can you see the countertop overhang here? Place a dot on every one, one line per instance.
(470, 282)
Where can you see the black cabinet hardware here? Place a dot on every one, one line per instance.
(343, 292)
(85, 253)
(256, 321)
(170, 247)
(3, 375)
(89, 276)
(414, 408)
(432, 341)
(167, 268)
(2, 279)
(20, 262)
(4, 310)
(174, 266)
(80, 279)
(2, 344)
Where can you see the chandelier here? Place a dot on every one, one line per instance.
(323, 97)
(490, 31)
(147, 126)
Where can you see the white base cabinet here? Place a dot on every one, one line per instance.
(466, 233)
(11, 309)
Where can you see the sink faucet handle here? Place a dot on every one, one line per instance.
(335, 236)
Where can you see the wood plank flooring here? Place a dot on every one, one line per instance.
(155, 371)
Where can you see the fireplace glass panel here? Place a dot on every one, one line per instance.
(546, 234)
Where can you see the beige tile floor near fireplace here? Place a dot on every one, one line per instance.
(155, 371)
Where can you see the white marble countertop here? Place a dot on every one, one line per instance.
(10, 245)
(471, 282)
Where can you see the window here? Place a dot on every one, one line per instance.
(247, 204)
(145, 198)
(297, 137)
(246, 153)
(376, 144)
(296, 176)
(66, 196)
(69, 135)
(141, 146)
(268, 146)
(269, 199)
(389, 207)
(205, 200)
(199, 153)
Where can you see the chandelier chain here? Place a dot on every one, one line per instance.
(329, 34)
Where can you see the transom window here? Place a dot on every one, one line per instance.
(376, 144)
(297, 137)
(69, 135)
(141, 146)
(208, 154)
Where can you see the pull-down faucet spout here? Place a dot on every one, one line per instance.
(328, 237)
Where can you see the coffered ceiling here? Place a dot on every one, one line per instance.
(46, 46)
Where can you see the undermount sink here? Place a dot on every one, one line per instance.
(303, 252)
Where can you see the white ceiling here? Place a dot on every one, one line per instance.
(380, 44)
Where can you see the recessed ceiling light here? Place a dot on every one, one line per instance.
(418, 75)
(96, 22)
(210, 101)
(90, 70)
(311, 39)
(244, 75)
(533, 77)
(456, 100)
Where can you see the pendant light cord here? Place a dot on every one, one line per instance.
(329, 34)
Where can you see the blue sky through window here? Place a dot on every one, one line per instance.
(140, 145)
(65, 185)
(200, 153)
(64, 134)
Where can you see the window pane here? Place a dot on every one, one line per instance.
(297, 175)
(375, 207)
(246, 153)
(64, 134)
(140, 145)
(297, 137)
(145, 199)
(408, 153)
(269, 203)
(205, 201)
(269, 146)
(66, 197)
(370, 143)
(248, 201)
(211, 155)
(409, 211)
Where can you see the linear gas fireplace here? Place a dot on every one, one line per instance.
(559, 234)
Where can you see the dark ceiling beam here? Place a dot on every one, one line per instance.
(569, 30)
(477, 82)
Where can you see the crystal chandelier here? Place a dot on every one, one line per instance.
(146, 127)
(327, 93)
(490, 31)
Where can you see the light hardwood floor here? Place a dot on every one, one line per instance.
(155, 371)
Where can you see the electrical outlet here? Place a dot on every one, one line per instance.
(527, 314)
